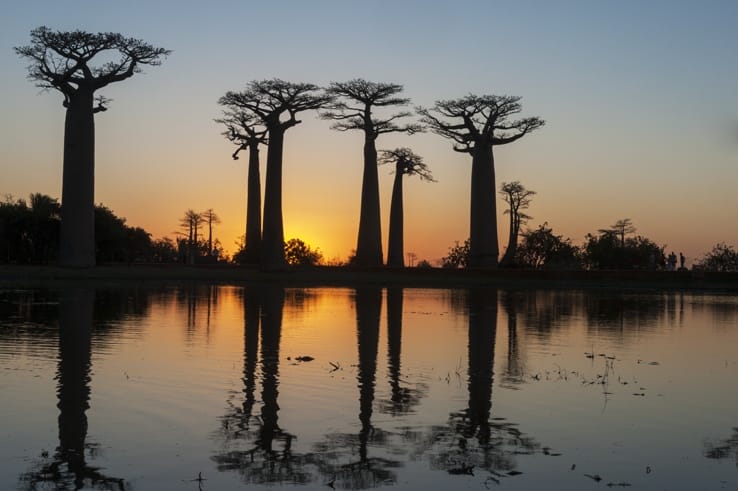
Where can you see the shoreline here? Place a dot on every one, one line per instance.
(35, 275)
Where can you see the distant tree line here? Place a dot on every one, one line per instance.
(30, 234)
(608, 249)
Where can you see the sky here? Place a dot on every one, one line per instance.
(640, 101)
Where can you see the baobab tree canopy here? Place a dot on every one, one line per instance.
(63, 61)
(478, 120)
(475, 124)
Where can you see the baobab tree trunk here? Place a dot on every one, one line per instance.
(272, 246)
(483, 247)
(396, 248)
(253, 208)
(369, 244)
(77, 230)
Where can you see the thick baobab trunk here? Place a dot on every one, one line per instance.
(272, 245)
(483, 248)
(369, 243)
(396, 248)
(77, 230)
(253, 208)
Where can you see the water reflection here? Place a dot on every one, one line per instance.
(403, 399)
(68, 468)
(472, 438)
(387, 416)
(198, 301)
(268, 457)
(725, 449)
(511, 304)
(337, 457)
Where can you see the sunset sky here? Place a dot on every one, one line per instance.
(640, 101)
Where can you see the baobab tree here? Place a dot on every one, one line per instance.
(191, 222)
(275, 103)
(518, 198)
(620, 229)
(63, 61)
(211, 218)
(243, 129)
(353, 110)
(476, 124)
(406, 163)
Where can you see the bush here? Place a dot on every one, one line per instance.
(722, 258)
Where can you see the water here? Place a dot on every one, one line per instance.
(203, 387)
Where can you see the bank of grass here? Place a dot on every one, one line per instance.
(348, 276)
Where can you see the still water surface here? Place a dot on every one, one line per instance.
(199, 387)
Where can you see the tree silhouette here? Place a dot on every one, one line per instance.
(62, 61)
(620, 229)
(190, 222)
(67, 468)
(211, 218)
(406, 164)
(275, 103)
(458, 256)
(243, 129)
(518, 198)
(476, 124)
(298, 253)
(356, 100)
(542, 249)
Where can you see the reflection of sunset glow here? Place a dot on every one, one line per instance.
(418, 388)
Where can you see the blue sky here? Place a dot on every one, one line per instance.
(639, 99)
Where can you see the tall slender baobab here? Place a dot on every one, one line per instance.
(276, 104)
(211, 218)
(476, 124)
(406, 164)
(356, 99)
(191, 222)
(62, 61)
(518, 198)
(243, 129)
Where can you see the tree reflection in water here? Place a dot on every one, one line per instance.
(724, 449)
(67, 468)
(512, 303)
(267, 455)
(261, 452)
(472, 439)
(402, 399)
(337, 456)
